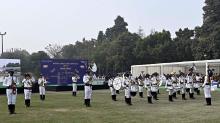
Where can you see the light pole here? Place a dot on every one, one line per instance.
(2, 34)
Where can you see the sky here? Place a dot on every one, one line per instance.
(33, 24)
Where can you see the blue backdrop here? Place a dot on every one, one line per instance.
(60, 71)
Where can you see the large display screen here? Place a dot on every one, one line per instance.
(60, 71)
(10, 65)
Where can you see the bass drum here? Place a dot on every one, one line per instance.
(117, 83)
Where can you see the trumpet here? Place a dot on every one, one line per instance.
(13, 86)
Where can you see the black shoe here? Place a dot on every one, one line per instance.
(170, 98)
(85, 103)
(209, 101)
(13, 109)
(129, 101)
(141, 94)
(174, 95)
(183, 97)
(10, 109)
(114, 98)
(149, 99)
(156, 97)
(192, 96)
(43, 97)
(28, 103)
(89, 105)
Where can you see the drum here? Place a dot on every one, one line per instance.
(117, 83)
(134, 89)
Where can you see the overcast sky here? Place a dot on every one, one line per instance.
(32, 24)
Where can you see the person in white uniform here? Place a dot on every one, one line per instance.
(196, 83)
(127, 88)
(169, 87)
(11, 91)
(207, 90)
(87, 79)
(141, 85)
(112, 89)
(189, 85)
(154, 85)
(182, 85)
(27, 83)
(174, 83)
(147, 85)
(75, 78)
(42, 84)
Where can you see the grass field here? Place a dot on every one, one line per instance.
(61, 107)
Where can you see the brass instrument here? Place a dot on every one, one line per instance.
(13, 86)
(42, 82)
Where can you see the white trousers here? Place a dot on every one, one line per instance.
(148, 91)
(113, 91)
(42, 90)
(74, 87)
(127, 92)
(140, 88)
(207, 91)
(170, 91)
(11, 97)
(27, 94)
(88, 92)
(183, 90)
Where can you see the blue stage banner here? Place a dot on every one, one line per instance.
(60, 71)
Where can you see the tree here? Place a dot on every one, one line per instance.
(209, 32)
(184, 44)
(141, 32)
(101, 37)
(54, 50)
(35, 59)
(119, 28)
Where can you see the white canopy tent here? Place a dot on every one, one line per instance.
(167, 68)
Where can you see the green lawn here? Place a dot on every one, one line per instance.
(61, 107)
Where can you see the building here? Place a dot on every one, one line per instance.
(167, 68)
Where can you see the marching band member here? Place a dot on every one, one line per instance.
(163, 80)
(147, 84)
(169, 87)
(174, 83)
(87, 79)
(140, 86)
(182, 85)
(189, 85)
(197, 83)
(27, 83)
(75, 78)
(207, 86)
(127, 86)
(42, 83)
(207, 90)
(112, 90)
(11, 91)
(134, 85)
(154, 86)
